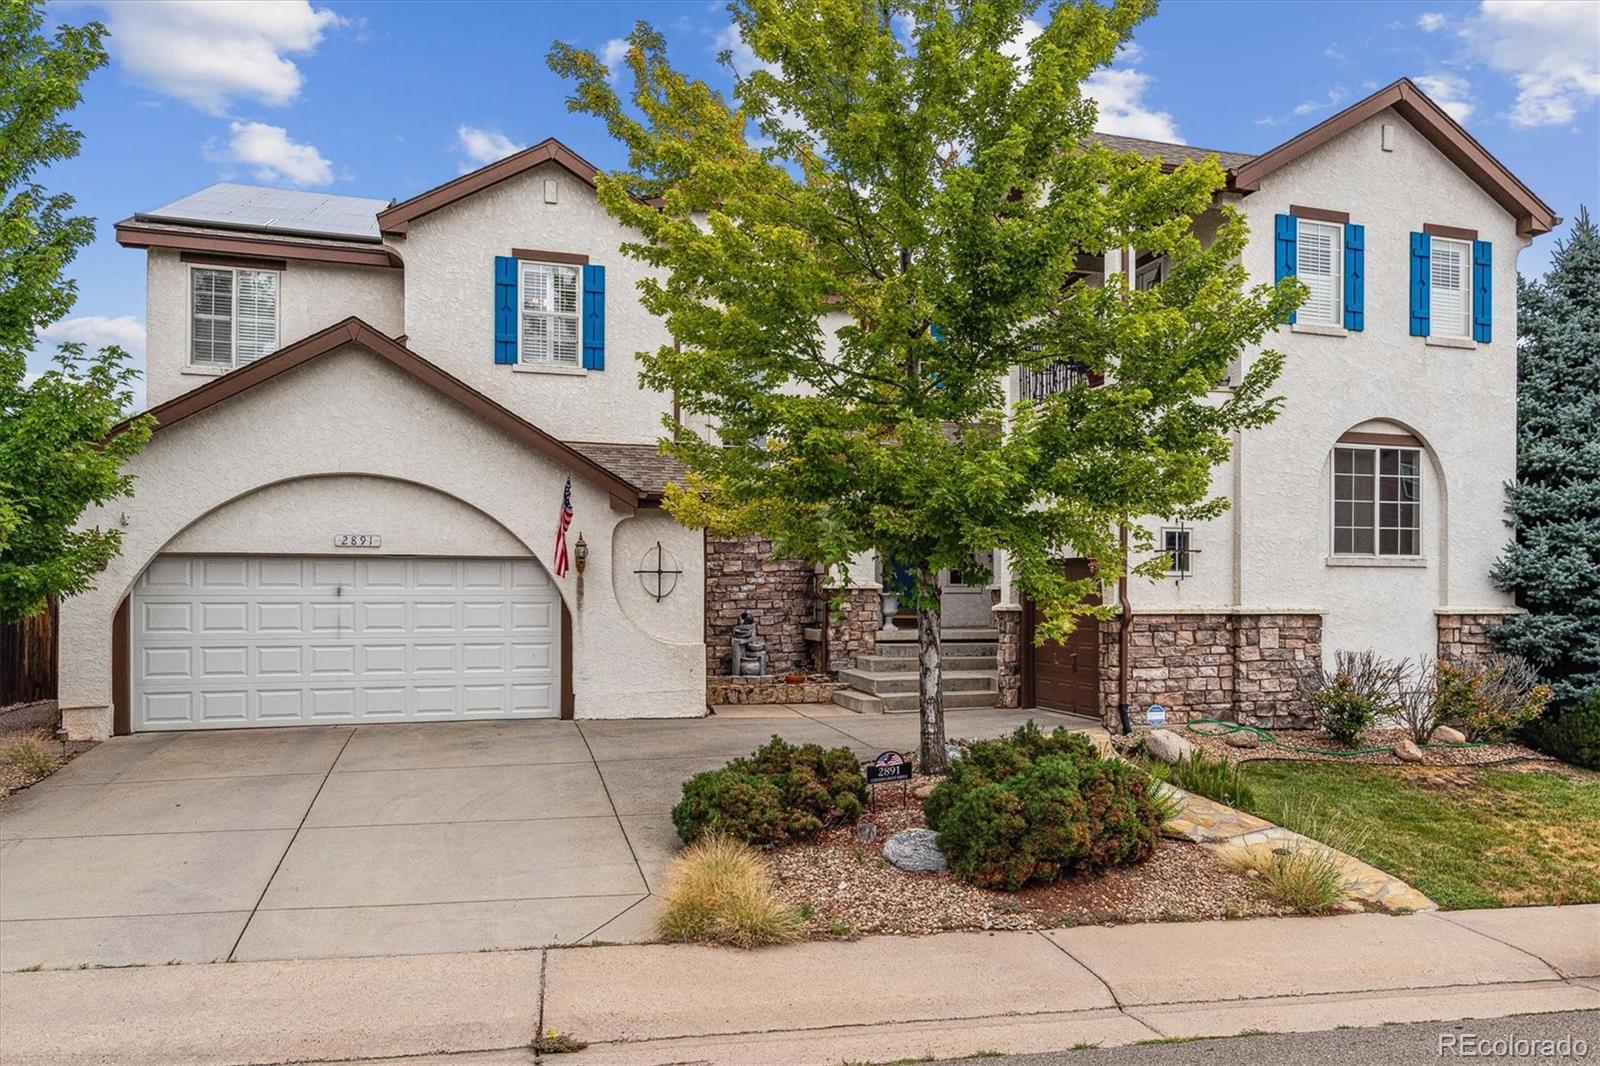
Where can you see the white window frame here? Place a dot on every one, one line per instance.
(1377, 502)
(1334, 281)
(548, 357)
(233, 314)
(1181, 559)
(1438, 327)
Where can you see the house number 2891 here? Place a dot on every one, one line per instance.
(357, 540)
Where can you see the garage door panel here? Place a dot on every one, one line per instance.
(262, 640)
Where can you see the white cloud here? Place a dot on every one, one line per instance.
(95, 332)
(1119, 94)
(1551, 50)
(480, 147)
(1336, 96)
(1430, 21)
(272, 155)
(207, 54)
(612, 53)
(1450, 91)
(741, 55)
(1017, 47)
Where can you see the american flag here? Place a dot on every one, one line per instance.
(561, 530)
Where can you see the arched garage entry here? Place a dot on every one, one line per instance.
(450, 617)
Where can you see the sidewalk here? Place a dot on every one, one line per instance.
(879, 999)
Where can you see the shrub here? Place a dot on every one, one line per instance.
(1033, 807)
(32, 755)
(1507, 696)
(1304, 877)
(778, 794)
(1213, 778)
(719, 891)
(1571, 734)
(1360, 690)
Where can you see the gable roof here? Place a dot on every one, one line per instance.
(354, 331)
(397, 218)
(260, 208)
(1533, 215)
(1168, 152)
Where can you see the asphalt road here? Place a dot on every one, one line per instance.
(1387, 1045)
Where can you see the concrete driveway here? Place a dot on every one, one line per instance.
(373, 840)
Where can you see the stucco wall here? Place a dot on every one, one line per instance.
(449, 305)
(353, 416)
(311, 296)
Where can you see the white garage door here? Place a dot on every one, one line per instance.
(233, 640)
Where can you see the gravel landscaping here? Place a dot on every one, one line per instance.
(32, 725)
(1292, 741)
(845, 888)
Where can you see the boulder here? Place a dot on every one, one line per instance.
(1446, 735)
(924, 790)
(1242, 739)
(1407, 751)
(915, 851)
(866, 832)
(1167, 746)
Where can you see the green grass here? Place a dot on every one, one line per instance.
(1466, 837)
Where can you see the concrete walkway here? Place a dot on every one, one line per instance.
(877, 999)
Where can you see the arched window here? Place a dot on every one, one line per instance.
(1377, 494)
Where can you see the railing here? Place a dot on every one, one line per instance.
(1037, 383)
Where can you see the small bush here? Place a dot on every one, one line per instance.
(1213, 778)
(1033, 807)
(32, 755)
(779, 794)
(1359, 691)
(1504, 695)
(719, 891)
(1306, 878)
(1571, 734)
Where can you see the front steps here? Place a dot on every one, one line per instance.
(885, 682)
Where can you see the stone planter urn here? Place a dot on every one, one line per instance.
(888, 603)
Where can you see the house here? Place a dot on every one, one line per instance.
(372, 418)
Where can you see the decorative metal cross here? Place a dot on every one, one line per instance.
(664, 579)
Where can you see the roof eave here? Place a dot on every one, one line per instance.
(134, 233)
(398, 218)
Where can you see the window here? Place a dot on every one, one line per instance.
(1151, 274)
(1175, 542)
(1318, 247)
(233, 317)
(1450, 277)
(1377, 501)
(550, 328)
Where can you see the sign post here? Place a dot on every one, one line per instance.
(886, 769)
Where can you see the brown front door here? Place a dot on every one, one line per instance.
(1065, 674)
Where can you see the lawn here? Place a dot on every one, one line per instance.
(1467, 837)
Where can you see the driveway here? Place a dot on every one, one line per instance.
(374, 840)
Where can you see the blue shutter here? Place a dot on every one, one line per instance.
(1482, 291)
(1355, 276)
(505, 309)
(1421, 285)
(594, 317)
(1286, 231)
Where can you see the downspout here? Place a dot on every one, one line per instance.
(1124, 637)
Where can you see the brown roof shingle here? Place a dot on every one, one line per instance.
(1169, 153)
(640, 465)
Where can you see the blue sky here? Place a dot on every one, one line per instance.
(386, 100)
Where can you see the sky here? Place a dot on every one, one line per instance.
(389, 99)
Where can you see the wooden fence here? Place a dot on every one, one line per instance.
(28, 658)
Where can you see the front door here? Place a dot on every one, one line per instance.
(1065, 674)
(964, 596)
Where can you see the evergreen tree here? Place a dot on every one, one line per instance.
(1553, 566)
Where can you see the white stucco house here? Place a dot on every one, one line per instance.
(368, 416)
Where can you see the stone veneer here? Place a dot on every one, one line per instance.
(1465, 637)
(853, 626)
(816, 688)
(1242, 667)
(742, 575)
(1008, 651)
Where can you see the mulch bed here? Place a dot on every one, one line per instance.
(847, 889)
(38, 720)
(1489, 754)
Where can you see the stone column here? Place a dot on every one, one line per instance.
(1008, 649)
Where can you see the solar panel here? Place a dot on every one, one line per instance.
(276, 210)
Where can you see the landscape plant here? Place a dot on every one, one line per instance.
(1571, 734)
(1503, 694)
(1307, 875)
(718, 890)
(1358, 691)
(1034, 807)
(1205, 775)
(856, 251)
(779, 794)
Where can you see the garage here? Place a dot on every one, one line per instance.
(237, 641)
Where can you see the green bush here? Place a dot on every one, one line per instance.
(1213, 778)
(779, 794)
(1344, 711)
(1035, 806)
(1571, 734)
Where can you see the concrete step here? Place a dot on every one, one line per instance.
(909, 636)
(950, 681)
(948, 647)
(891, 664)
(859, 702)
(906, 702)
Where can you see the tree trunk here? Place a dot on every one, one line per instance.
(929, 699)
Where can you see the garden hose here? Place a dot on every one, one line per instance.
(1266, 736)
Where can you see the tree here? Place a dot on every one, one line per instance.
(855, 253)
(54, 460)
(1553, 565)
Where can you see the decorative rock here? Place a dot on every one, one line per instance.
(953, 752)
(1446, 735)
(1167, 746)
(866, 832)
(1242, 740)
(915, 851)
(924, 790)
(1406, 751)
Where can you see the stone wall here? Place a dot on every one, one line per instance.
(1465, 637)
(1008, 652)
(742, 575)
(1240, 667)
(816, 688)
(853, 627)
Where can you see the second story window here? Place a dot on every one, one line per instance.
(550, 325)
(233, 316)
(1451, 294)
(1318, 266)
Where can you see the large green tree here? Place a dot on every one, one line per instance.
(54, 459)
(1553, 565)
(856, 251)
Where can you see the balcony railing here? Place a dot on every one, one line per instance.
(1037, 383)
